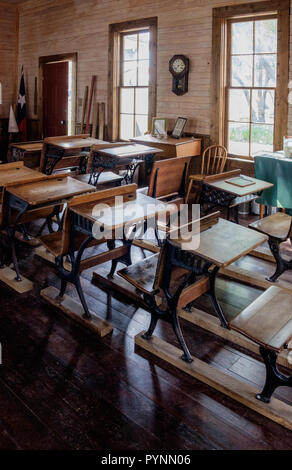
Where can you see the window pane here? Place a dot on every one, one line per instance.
(265, 70)
(141, 125)
(263, 106)
(261, 138)
(266, 36)
(144, 45)
(126, 126)
(239, 105)
(238, 138)
(127, 100)
(242, 37)
(143, 72)
(241, 74)
(130, 73)
(130, 47)
(142, 101)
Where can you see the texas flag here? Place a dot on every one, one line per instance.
(21, 109)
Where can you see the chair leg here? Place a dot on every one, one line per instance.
(262, 211)
(77, 283)
(152, 326)
(189, 191)
(274, 378)
(281, 264)
(177, 329)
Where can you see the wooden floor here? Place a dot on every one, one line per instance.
(63, 388)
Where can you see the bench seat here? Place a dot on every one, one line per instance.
(275, 226)
(268, 320)
(142, 275)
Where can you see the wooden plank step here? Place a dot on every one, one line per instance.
(8, 275)
(74, 310)
(45, 254)
(263, 252)
(210, 323)
(276, 410)
(252, 279)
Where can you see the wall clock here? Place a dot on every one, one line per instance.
(179, 68)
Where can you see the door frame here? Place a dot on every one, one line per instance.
(57, 58)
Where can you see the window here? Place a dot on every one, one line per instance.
(132, 78)
(251, 85)
(134, 84)
(249, 104)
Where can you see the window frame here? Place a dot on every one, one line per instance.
(228, 85)
(221, 18)
(114, 72)
(121, 84)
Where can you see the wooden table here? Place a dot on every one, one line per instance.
(50, 191)
(183, 147)
(221, 245)
(55, 148)
(28, 152)
(130, 156)
(218, 191)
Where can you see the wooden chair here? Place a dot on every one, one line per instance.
(168, 179)
(278, 227)
(213, 162)
(171, 279)
(72, 243)
(94, 176)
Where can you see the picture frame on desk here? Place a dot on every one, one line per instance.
(159, 127)
(179, 127)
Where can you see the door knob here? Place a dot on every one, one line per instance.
(63, 123)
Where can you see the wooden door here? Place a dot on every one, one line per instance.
(55, 99)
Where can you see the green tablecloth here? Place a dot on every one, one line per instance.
(275, 169)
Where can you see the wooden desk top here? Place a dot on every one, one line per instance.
(223, 243)
(50, 190)
(222, 185)
(29, 146)
(148, 139)
(140, 208)
(74, 144)
(19, 174)
(129, 151)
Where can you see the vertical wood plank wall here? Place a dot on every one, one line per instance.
(184, 27)
(8, 55)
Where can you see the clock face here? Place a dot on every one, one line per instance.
(178, 66)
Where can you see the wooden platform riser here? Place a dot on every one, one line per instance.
(74, 310)
(276, 410)
(254, 280)
(8, 277)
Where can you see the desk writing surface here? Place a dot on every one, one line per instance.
(224, 242)
(222, 185)
(50, 190)
(18, 175)
(129, 150)
(75, 144)
(141, 207)
(29, 146)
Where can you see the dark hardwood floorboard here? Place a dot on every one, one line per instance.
(63, 387)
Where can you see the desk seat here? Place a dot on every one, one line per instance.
(54, 242)
(142, 275)
(268, 320)
(276, 226)
(105, 178)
